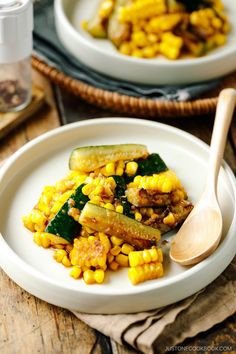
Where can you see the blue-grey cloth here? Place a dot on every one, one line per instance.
(48, 47)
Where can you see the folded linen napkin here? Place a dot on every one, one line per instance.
(48, 47)
(159, 330)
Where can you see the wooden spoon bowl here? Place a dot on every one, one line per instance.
(201, 232)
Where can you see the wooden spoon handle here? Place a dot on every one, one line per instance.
(224, 112)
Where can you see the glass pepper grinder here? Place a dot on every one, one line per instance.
(16, 26)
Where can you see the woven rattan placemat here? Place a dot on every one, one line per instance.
(133, 106)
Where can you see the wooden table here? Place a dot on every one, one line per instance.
(29, 325)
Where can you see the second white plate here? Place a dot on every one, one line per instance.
(44, 160)
(102, 56)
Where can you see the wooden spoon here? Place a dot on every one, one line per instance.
(201, 232)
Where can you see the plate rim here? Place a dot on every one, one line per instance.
(29, 269)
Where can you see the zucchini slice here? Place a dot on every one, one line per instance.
(89, 158)
(113, 223)
(63, 224)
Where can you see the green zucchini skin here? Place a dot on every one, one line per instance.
(113, 223)
(152, 164)
(120, 195)
(64, 225)
(89, 158)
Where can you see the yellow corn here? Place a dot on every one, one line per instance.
(139, 38)
(42, 239)
(138, 216)
(120, 168)
(110, 258)
(115, 250)
(59, 255)
(164, 23)
(99, 276)
(113, 266)
(109, 206)
(142, 9)
(110, 169)
(164, 182)
(91, 277)
(145, 272)
(169, 219)
(105, 241)
(66, 262)
(125, 48)
(88, 276)
(119, 209)
(116, 240)
(75, 272)
(171, 45)
(126, 248)
(137, 258)
(150, 51)
(131, 168)
(122, 260)
(89, 252)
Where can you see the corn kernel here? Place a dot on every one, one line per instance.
(119, 209)
(109, 206)
(45, 241)
(126, 248)
(69, 248)
(149, 52)
(131, 168)
(59, 255)
(115, 250)
(75, 272)
(138, 216)
(66, 262)
(120, 168)
(125, 48)
(137, 53)
(88, 276)
(37, 238)
(113, 266)
(110, 258)
(110, 168)
(216, 23)
(87, 189)
(169, 219)
(122, 260)
(99, 276)
(96, 200)
(116, 240)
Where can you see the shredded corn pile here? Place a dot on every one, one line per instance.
(151, 28)
(92, 253)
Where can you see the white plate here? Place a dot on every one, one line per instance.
(102, 56)
(45, 160)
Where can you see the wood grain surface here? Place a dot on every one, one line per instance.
(29, 325)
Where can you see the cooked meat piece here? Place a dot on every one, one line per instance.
(166, 219)
(147, 197)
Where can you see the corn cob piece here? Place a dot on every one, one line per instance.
(137, 258)
(164, 182)
(142, 9)
(89, 252)
(145, 272)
